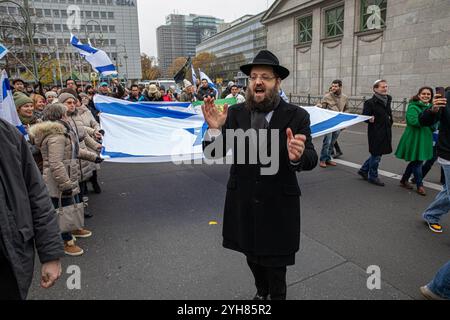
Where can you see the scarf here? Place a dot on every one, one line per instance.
(382, 98)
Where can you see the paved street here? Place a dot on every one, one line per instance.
(152, 238)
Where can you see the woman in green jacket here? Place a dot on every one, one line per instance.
(416, 144)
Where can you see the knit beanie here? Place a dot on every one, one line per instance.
(21, 99)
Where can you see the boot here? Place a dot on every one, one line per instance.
(95, 184)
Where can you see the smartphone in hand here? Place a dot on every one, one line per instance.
(440, 91)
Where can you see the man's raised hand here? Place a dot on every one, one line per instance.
(296, 145)
(214, 117)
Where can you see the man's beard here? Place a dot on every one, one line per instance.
(270, 102)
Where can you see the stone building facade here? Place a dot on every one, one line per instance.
(406, 42)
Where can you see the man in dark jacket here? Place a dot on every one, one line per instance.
(439, 113)
(379, 131)
(117, 91)
(27, 219)
(205, 91)
(262, 212)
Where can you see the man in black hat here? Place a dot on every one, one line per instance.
(262, 212)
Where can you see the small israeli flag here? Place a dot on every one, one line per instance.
(8, 110)
(3, 51)
(98, 59)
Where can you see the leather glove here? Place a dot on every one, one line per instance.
(99, 160)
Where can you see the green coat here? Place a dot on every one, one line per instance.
(416, 143)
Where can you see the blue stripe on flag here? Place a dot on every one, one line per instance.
(22, 130)
(5, 88)
(3, 51)
(138, 110)
(119, 155)
(332, 122)
(106, 68)
(76, 43)
(166, 104)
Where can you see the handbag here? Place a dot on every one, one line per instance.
(71, 217)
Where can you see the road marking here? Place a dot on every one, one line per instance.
(388, 174)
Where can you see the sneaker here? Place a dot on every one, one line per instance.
(331, 163)
(421, 191)
(428, 294)
(82, 233)
(337, 155)
(364, 175)
(406, 185)
(376, 182)
(435, 227)
(323, 164)
(71, 249)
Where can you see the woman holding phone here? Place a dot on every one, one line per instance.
(416, 144)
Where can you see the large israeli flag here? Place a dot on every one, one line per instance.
(98, 59)
(165, 132)
(145, 132)
(8, 110)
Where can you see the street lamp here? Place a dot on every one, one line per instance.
(93, 31)
(125, 56)
(28, 33)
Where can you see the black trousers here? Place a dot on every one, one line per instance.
(8, 283)
(269, 280)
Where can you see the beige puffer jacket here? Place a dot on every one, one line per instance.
(59, 153)
(91, 126)
(88, 120)
(86, 168)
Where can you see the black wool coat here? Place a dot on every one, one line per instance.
(262, 212)
(380, 132)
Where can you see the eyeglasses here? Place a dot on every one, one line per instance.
(264, 78)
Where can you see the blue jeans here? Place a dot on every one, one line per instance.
(371, 167)
(65, 202)
(328, 144)
(414, 167)
(440, 285)
(429, 163)
(441, 204)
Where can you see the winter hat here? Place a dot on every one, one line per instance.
(21, 99)
(51, 94)
(83, 95)
(186, 83)
(63, 97)
(152, 88)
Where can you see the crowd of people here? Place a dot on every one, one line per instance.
(65, 140)
(424, 141)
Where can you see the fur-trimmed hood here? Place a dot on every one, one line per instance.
(40, 131)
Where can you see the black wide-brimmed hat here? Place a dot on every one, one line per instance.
(266, 58)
